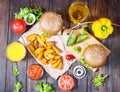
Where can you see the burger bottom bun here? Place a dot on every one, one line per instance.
(51, 22)
(95, 55)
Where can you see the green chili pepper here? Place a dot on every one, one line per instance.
(81, 38)
(72, 38)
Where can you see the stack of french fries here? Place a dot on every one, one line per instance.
(46, 52)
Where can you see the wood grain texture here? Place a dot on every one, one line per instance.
(3, 43)
(97, 8)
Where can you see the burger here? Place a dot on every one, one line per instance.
(51, 22)
(94, 56)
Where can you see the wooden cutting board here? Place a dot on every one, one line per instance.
(91, 40)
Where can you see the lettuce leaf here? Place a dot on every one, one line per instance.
(82, 61)
(26, 10)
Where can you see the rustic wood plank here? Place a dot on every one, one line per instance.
(14, 7)
(114, 45)
(9, 79)
(3, 43)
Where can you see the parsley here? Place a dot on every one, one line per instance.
(44, 87)
(15, 71)
(98, 81)
(18, 85)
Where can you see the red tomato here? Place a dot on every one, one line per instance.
(66, 82)
(69, 56)
(35, 71)
(18, 26)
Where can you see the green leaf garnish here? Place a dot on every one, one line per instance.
(98, 81)
(82, 61)
(44, 87)
(15, 71)
(25, 11)
(18, 86)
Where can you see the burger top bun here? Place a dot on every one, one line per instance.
(51, 22)
(95, 55)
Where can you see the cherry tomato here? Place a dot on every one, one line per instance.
(69, 56)
(35, 71)
(18, 26)
(66, 82)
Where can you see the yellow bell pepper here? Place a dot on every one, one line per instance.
(102, 28)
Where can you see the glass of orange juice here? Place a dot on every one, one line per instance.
(78, 12)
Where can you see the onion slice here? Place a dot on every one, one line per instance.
(79, 72)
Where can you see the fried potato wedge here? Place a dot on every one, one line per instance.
(40, 55)
(56, 57)
(48, 47)
(51, 43)
(32, 49)
(43, 61)
(57, 50)
(47, 52)
(38, 51)
(55, 65)
(32, 37)
(52, 61)
(60, 65)
(43, 38)
(40, 41)
(51, 56)
(35, 43)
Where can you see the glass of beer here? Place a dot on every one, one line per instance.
(78, 12)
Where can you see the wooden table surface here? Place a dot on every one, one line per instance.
(98, 9)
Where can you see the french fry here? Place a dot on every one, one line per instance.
(43, 38)
(32, 49)
(47, 52)
(55, 65)
(38, 51)
(48, 47)
(32, 37)
(35, 44)
(40, 41)
(57, 50)
(51, 43)
(40, 55)
(60, 65)
(56, 57)
(52, 61)
(43, 61)
(51, 56)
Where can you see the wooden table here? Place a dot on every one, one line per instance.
(98, 9)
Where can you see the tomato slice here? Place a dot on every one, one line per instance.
(35, 71)
(66, 82)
